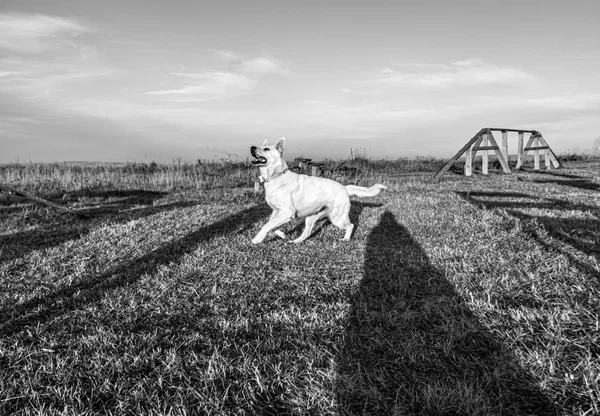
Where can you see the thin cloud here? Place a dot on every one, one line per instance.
(456, 74)
(32, 78)
(210, 85)
(572, 102)
(263, 66)
(34, 34)
(43, 56)
(259, 65)
(235, 77)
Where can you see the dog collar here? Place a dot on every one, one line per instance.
(262, 179)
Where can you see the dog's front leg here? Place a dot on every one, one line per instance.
(275, 221)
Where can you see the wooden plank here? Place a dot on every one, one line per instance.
(550, 152)
(22, 194)
(500, 155)
(468, 162)
(524, 152)
(527, 149)
(476, 149)
(536, 152)
(505, 144)
(512, 130)
(519, 151)
(458, 154)
(485, 162)
(472, 152)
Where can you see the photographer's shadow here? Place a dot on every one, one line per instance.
(412, 346)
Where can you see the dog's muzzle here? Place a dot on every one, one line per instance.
(258, 160)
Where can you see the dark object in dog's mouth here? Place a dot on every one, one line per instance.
(259, 161)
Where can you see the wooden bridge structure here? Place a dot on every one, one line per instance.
(484, 141)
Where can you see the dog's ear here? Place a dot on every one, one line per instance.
(280, 145)
(266, 142)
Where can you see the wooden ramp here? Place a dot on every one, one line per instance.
(484, 141)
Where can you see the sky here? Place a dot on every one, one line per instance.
(141, 80)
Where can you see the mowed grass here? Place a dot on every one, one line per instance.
(472, 296)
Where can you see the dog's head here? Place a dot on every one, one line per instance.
(266, 154)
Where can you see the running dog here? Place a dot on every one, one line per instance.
(292, 195)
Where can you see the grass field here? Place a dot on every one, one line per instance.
(471, 296)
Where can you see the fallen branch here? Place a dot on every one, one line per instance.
(13, 191)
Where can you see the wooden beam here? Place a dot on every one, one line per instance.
(536, 152)
(476, 149)
(524, 152)
(468, 163)
(500, 155)
(550, 153)
(527, 149)
(485, 161)
(505, 144)
(22, 194)
(512, 130)
(458, 154)
(520, 151)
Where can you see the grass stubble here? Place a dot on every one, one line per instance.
(472, 296)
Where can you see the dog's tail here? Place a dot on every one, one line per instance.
(363, 192)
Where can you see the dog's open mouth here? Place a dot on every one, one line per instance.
(259, 161)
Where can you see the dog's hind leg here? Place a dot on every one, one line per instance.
(309, 224)
(341, 219)
(349, 227)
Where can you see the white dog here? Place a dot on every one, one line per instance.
(293, 195)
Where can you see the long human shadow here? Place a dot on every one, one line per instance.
(580, 232)
(19, 244)
(413, 347)
(89, 290)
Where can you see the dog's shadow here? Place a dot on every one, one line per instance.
(356, 209)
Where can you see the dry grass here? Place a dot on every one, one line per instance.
(472, 296)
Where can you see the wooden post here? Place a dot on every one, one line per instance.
(493, 145)
(549, 153)
(505, 144)
(484, 157)
(303, 164)
(316, 171)
(458, 154)
(520, 151)
(469, 161)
